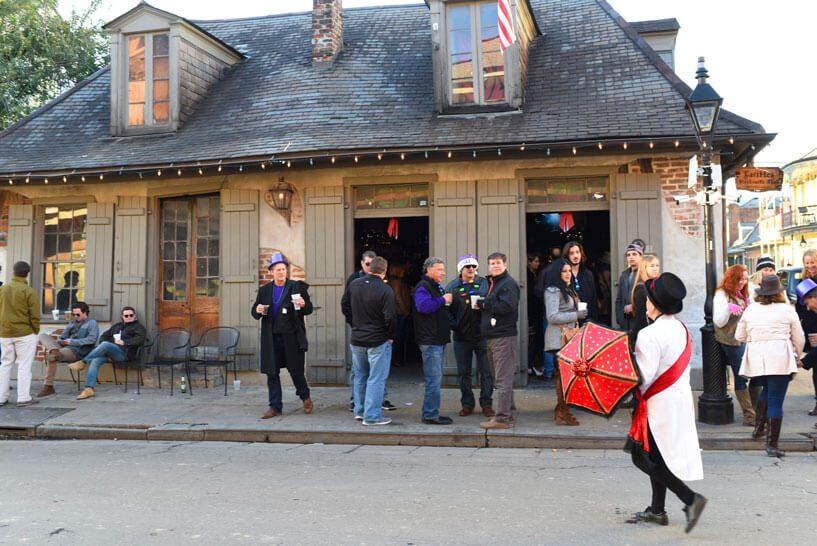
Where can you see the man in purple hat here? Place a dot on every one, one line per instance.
(466, 291)
(807, 295)
(281, 305)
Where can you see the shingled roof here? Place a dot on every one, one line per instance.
(590, 77)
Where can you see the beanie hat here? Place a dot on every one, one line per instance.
(468, 259)
(633, 247)
(765, 261)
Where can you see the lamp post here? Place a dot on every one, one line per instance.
(703, 105)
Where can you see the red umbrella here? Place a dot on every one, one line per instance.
(596, 368)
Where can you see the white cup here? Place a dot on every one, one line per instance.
(475, 302)
(55, 314)
(582, 306)
(295, 298)
(117, 337)
(237, 385)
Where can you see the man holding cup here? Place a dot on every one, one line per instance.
(467, 290)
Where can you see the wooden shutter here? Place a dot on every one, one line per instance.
(99, 259)
(130, 255)
(20, 238)
(454, 233)
(325, 252)
(637, 214)
(498, 230)
(239, 267)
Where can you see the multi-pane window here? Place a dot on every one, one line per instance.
(391, 196)
(477, 65)
(148, 80)
(207, 251)
(64, 253)
(175, 232)
(568, 190)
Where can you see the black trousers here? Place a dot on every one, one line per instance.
(287, 355)
(661, 478)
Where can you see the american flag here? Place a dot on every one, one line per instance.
(507, 36)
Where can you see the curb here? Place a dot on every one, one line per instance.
(793, 443)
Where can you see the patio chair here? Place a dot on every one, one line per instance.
(171, 348)
(216, 347)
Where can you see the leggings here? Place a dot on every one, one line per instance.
(774, 392)
(661, 479)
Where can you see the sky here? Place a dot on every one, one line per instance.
(759, 53)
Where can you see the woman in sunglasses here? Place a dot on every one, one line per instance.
(119, 343)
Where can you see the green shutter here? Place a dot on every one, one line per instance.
(99, 259)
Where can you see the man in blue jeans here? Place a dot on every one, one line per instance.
(119, 343)
(368, 305)
(432, 332)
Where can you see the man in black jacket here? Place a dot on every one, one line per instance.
(583, 282)
(500, 314)
(467, 290)
(634, 254)
(368, 305)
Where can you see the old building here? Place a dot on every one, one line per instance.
(406, 129)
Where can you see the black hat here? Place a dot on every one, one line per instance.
(770, 286)
(667, 293)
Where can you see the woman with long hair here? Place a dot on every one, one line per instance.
(649, 269)
(563, 314)
(774, 340)
(808, 319)
(731, 300)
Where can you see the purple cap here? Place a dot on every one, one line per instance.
(277, 258)
(804, 287)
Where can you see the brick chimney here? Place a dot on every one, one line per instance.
(327, 31)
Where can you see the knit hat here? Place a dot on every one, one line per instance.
(633, 247)
(468, 259)
(765, 261)
(277, 258)
(806, 287)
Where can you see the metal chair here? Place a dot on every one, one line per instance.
(172, 347)
(216, 347)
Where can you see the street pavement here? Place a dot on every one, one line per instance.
(108, 492)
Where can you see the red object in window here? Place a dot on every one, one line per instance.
(566, 222)
(394, 228)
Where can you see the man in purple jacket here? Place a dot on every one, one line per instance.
(432, 330)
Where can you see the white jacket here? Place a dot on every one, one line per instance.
(671, 413)
(774, 339)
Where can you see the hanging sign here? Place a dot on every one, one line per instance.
(759, 179)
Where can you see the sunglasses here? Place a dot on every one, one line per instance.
(128, 316)
(367, 264)
(76, 314)
(469, 267)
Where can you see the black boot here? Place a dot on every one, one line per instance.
(773, 436)
(760, 420)
(649, 516)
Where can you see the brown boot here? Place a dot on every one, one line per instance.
(464, 412)
(772, 437)
(86, 393)
(492, 424)
(760, 420)
(745, 402)
(563, 416)
(47, 390)
(488, 411)
(78, 366)
(308, 405)
(270, 413)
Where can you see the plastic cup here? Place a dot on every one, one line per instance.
(475, 302)
(266, 310)
(582, 306)
(55, 314)
(117, 337)
(237, 385)
(295, 298)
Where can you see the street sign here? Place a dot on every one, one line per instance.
(759, 179)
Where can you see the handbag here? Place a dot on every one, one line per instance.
(568, 332)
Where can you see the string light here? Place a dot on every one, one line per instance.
(101, 176)
(356, 159)
(499, 152)
(263, 164)
(46, 180)
(379, 157)
(179, 172)
(333, 160)
(651, 145)
(522, 148)
(426, 154)
(219, 166)
(677, 143)
(64, 179)
(600, 145)
(241, 168)
(703, 144)
(200, 171)
(731, 140)
(574, 150)
(140, 176)
(289, 163)
(27, 178)
(548, 150)
(311, 162)
(11, 182)
(449, 154)
(625, 145)
(83, 177)
(159, 172)
(402, 155)
(474, 153)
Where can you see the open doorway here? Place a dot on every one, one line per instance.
(549, 230)
(404, 243)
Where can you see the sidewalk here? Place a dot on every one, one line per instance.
(208, 415)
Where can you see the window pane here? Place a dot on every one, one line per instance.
(169, 252)
(136, 114)
(181, 271)
(160, 44)
(167, 271)
(167, 291)
(136, 58)
(213, 271)
(460, 40)
(161, 112)
(181, 231)
(160, 68)
(201, 247)
(213, 250)
(50, 247)
(181, 251)
(161, 90)
(201, 267)
(214, 288)
(201, 287)
(64, 247)
(493, 62)
(181, 291)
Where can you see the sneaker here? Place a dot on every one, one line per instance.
(387, 406)
(30, 402)
(693, 511)
(381, 421)
(87, 392)
(441, 420)
(358, 417)
(650, 517)
(4, 403)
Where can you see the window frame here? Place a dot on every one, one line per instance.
(38, 278)
(124, 96)
(477, 81)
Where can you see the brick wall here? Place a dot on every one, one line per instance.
(296, 272)
(7, 198)
(327, 30)
(198, 71)
(674, 173)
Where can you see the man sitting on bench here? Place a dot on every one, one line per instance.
(76, 341)
(119, 343)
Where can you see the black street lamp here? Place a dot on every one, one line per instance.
(703, 105)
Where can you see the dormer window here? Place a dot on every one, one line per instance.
(148, 80)
(476, 63)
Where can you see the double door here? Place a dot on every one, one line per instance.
(189, 265)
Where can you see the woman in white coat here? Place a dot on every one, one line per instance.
(663, 439)
(774, 340)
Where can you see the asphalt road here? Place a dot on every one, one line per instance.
(108, 492)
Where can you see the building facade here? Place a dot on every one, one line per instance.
(157, 182)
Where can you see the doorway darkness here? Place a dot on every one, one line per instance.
(405, 248)
(591, 229)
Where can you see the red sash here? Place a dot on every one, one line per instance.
(640, 429)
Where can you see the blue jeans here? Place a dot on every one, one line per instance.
(371, 367)
(103, 352)
(774, 392)
(734, 354)
(547, 359)
(352, 378)
(433, 378)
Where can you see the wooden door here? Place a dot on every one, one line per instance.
(189, 281)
